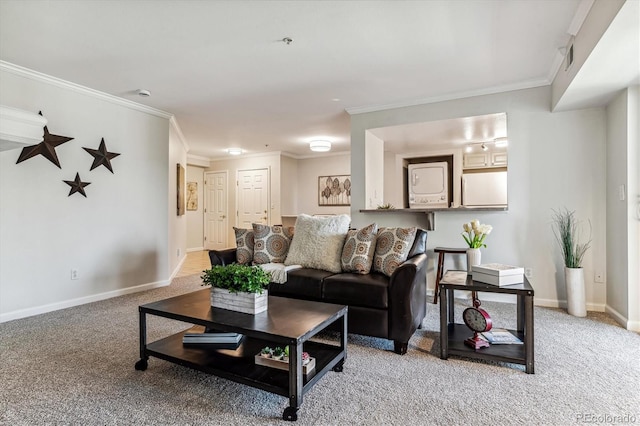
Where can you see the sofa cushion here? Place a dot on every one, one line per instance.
(359, 290)
(357, 253)
(244, 244)
(318, 242)
(392, 248)
(301, 283)
(271, 243)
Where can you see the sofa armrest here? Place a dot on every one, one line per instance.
(222, 257)
(407, 298)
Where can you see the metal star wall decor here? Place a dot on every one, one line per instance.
(46, 148)
(101, 156)
(77, 185)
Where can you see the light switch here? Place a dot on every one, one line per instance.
(621, 192)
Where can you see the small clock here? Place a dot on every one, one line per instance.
(478, 320)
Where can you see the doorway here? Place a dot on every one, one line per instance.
(253, 197)
(216, 215)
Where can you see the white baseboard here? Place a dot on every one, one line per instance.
(177, 268)
(622, 320)
(511, 298)
(190, 250)
(23, 313)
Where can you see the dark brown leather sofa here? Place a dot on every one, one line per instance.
(379, 306)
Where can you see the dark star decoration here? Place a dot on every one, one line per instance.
(46, 148)
(101, 156)
(77, 185)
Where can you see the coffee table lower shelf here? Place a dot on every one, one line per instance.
(239, 365)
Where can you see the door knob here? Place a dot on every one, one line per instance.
(224, 217)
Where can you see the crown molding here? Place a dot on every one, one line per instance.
(176, 127)
(44, 78)
(197, 160)
(451, 96)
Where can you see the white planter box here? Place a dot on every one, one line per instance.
(249, 303)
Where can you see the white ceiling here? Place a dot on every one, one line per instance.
(221, 68)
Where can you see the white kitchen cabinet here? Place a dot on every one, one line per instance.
(483, 160)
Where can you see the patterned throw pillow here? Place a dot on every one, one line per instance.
(271, 243)
(244, 244)
(392, 248)
(357, 253)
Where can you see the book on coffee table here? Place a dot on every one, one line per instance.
(198, 334)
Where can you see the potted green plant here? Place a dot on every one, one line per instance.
(238, 287)
(567, 230)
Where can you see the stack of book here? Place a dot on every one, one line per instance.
(500, 336)
(199, 335)
(498, 274)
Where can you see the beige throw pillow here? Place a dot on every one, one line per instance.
(392, 248)
(357, 253)
(318, 242)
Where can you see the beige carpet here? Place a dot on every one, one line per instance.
(75, 366)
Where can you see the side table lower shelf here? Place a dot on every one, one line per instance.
(506, 353)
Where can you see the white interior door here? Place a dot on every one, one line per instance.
(216, 222)
(253, 197)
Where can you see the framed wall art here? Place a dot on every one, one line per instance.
(334, 190)
(180, 191)
(192, 195)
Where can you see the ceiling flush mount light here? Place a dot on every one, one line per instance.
(144, 93)
(320, 146)
(234, 151)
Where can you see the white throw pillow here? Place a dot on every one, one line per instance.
(317, 242)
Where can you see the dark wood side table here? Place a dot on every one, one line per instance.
(441, 252)
(452, 335)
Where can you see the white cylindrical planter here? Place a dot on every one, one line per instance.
(576, 299)
(473, 258)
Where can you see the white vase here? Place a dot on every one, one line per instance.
(576, 300)
(473, 258)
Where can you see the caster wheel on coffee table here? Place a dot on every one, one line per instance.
(142, 365)
(290, 414)
(338, 367)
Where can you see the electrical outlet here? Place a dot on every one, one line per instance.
(75, 274)
(528, 272)
(598, 277)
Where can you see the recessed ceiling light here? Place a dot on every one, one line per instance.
(234, 151)
(144, 93)
(320, 146)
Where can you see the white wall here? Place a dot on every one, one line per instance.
(195, 218)
(555, 160)
(309, 169)
(117, 237)
(177, 224)
(374, 166)
(623, 230)
(290, 187)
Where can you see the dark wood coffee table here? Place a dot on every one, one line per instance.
(289, 322)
